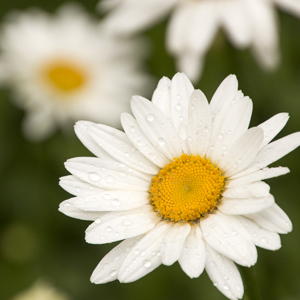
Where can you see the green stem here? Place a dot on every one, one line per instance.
(252, 289)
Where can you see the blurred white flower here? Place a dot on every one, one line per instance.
(41, 290)
(63, 68)
(183, 183)
(194, 24)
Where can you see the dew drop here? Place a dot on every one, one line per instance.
(216, 283)
(116, 202)
(126, 154)
(98, 221)
(150, 117)
(122, 174)
(128, 249)
(67, 204)
(113, 273)
(126, 222)
(161, 141)
(264, 240)
(238, 288)
(225, 287)
(94, 176)
(220, 136)
(122, 165)
(131, 129)
(206, 129)
(147, 263)
(109, 179)
(106, 197)
(108, 229)
(105, 266)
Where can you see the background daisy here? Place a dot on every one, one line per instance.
(193, 26)
(62, 68)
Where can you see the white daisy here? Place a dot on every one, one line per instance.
(183, 183)
(194, 24)
(63, 68)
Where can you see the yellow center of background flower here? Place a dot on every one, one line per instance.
(66, 77)
(186, 189)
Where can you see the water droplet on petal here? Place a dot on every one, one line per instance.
(113, 273)
(116, 202)
(94, 176)
(225, 287)
(206, 129)
(147, 263)
(178, 106)
(220, 135)
(161, 141)
(238, 288)
(264, 240)
(150, 117)
(108, 229)
(131, 129)
(126, 222)
(67, 204)
(106, 197)
(109, 179)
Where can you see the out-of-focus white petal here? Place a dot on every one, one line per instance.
(193, 255)
(273, 218)
(116, 226)
(224, 274)
(172, 243)
(291, 6)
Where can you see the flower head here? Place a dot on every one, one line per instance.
(194, 24)
(63, 68)
(183, 183)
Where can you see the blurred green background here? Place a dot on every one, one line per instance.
(36, 241)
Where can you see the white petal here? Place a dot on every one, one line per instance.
(81, 130)
(237, 22)
(245, 206)
(181, 91)
(228, 237)
(242, 152)
(137, 137)
(291, 6)
(144, 257)
(273, 126)
(117, 226)
(112, 200)
(229, 125)
(161, 96)
(125, 20)
(77, 187)
(107, 174)
(261, 237)
(108, 268)
(273, 218)
(117, 144)
(265, 36)
(273, 152)
(226, 90)
(199, 125)
(156, 127)
(256, 176)
(257, 189)
(224, 274)
(172, 244)
(200, 20)
(68, 208)
(193, 256)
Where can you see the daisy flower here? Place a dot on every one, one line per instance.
(183, 183)
(194, 24)
(63, 68)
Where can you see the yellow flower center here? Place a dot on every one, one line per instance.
(65, 76)
(186, 189)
